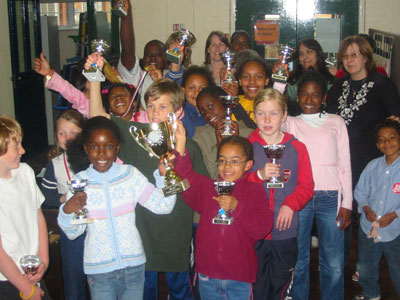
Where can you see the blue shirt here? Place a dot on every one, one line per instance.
(192, 119)
(379, 188)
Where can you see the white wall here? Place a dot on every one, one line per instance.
(199, 16)
(7, 94)
(382, 15)
(67, 45)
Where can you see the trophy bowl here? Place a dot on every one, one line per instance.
(274, 152)
(185, 38)
(223, 188)
(159, 140)
(228, 57)
(30, 264)
(78, 186)
(229, 102)
(118, 8)
(285, 55)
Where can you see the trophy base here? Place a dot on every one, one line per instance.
(173, 57)
(220, 221)
(81, 221)
(275, 185)
(120, 12)
(279, 78)
(230, 81)
(226, 134)
(94, 76)
(176, 188)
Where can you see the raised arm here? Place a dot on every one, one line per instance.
(95, 105)
(128, 57)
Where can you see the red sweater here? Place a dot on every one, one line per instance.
(226, 251)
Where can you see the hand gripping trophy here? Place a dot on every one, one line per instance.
(274, 152)
(77, 186)
(186, 38)
(285, 55)
(230, 102)
(94, 73)
(223, 188)
(158, 139)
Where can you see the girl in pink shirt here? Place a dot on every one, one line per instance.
(325, 136)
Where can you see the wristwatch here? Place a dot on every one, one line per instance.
(48, 76)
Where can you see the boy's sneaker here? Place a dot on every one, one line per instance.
(362, 297)
(355, 276)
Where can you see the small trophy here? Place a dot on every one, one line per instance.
(30, 264)
(230, 103)
(186, 38)
(274, 152)
(77, 186)
(94, 73)
(158, 139)
(118, 8)
(281, 74)
(228, 58)
(223, 188)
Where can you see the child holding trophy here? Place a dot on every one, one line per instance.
(166, 238)
(277, 254)
(23, 229)
(226, 262)
(113, 251)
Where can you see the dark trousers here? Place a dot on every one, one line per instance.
(10, 292)
(276, 261)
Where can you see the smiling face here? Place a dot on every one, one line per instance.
(253, 79)
(119, 99)
(211, 109)
(233, 171)
(11, 159)
(66, 131)
(158, 109)
(308, 57)
(269, 117)
(388, 142)
(216, 48)
(310, 98)
(154, 54)
(194, 84)
(354, 62)
(102, 149)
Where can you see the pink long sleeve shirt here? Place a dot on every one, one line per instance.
(327, 143)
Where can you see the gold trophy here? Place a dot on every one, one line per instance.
(118, 8)
(158, 139)
(94, 73)
(186, 38)
(285, 55)
(223, 188)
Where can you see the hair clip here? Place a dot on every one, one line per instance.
(105, 91)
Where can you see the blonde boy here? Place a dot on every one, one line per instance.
(23, 228)
(166, 239)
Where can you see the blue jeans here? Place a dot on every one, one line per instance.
(331, 248)
(369, 256)
(219, 289)
(178, 285)
(72, 267)
(123, 284)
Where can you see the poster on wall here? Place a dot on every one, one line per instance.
(266, 32)
(383, 50)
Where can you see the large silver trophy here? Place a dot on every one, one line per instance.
(230, 102)
(30, 264)
(186, 38)
(118, 8)
(285, 55)
(228, 59)
(274, 152)
(78, 186)
(94, 73)
(223, 188)
(158, 139)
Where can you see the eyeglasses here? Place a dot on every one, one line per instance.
(234, 163)
(353, 55)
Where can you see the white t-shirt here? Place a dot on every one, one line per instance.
(20, 200)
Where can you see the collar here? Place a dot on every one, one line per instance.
(97, 176)
(256, 137)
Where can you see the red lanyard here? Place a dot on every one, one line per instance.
(66, 167)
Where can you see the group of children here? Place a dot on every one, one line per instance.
(264, 253)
